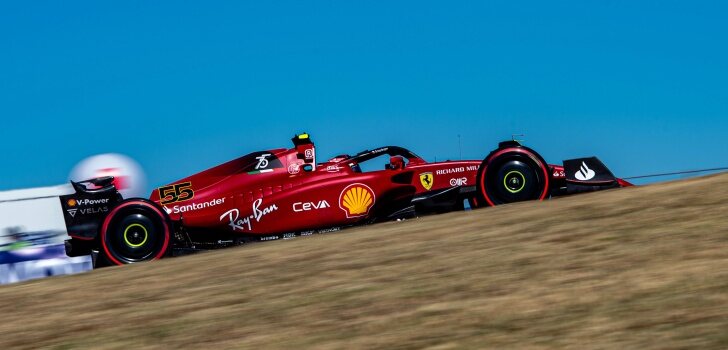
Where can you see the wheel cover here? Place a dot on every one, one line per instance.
(488, 177)
(514, 181)
(135, 235)
(118, 239)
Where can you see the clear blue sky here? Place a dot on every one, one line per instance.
(182, 86)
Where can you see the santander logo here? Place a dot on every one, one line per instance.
(584, 173)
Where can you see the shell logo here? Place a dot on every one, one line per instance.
(71, 202)
(356, 200)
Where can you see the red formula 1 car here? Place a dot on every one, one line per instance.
(283, 193)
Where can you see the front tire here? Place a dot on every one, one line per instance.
(136, 230)
(512, 174)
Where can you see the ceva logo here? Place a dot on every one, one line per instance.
(306, 206)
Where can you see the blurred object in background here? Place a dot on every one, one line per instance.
(26, 261)
(14, 238)
(28, 214)
(32, 228)
(128, 176)
(32, 232)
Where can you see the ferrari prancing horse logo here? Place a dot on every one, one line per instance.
(426, 179)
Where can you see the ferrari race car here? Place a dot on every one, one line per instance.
(284, 193)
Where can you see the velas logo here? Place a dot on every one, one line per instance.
(71, 202)
(356, 200)
(427, 180)
(87, 211)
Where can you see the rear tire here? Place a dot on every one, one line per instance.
(512, 174)
(136, 230)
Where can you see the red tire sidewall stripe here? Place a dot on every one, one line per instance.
(107, 221)
(517, 150)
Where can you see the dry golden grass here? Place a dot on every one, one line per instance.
(631, 268)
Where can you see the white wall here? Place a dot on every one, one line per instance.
(32, 210)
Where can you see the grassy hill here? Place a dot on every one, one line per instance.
(631, 268)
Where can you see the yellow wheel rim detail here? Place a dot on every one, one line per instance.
(126, 239)
(523, 182)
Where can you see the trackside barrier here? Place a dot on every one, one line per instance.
(39, 262)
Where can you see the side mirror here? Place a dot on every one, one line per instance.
(307, 168)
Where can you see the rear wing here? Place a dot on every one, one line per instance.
(85, 209)
(588, 174)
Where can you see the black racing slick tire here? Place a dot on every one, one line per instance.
(134, 231)
(512, 174)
